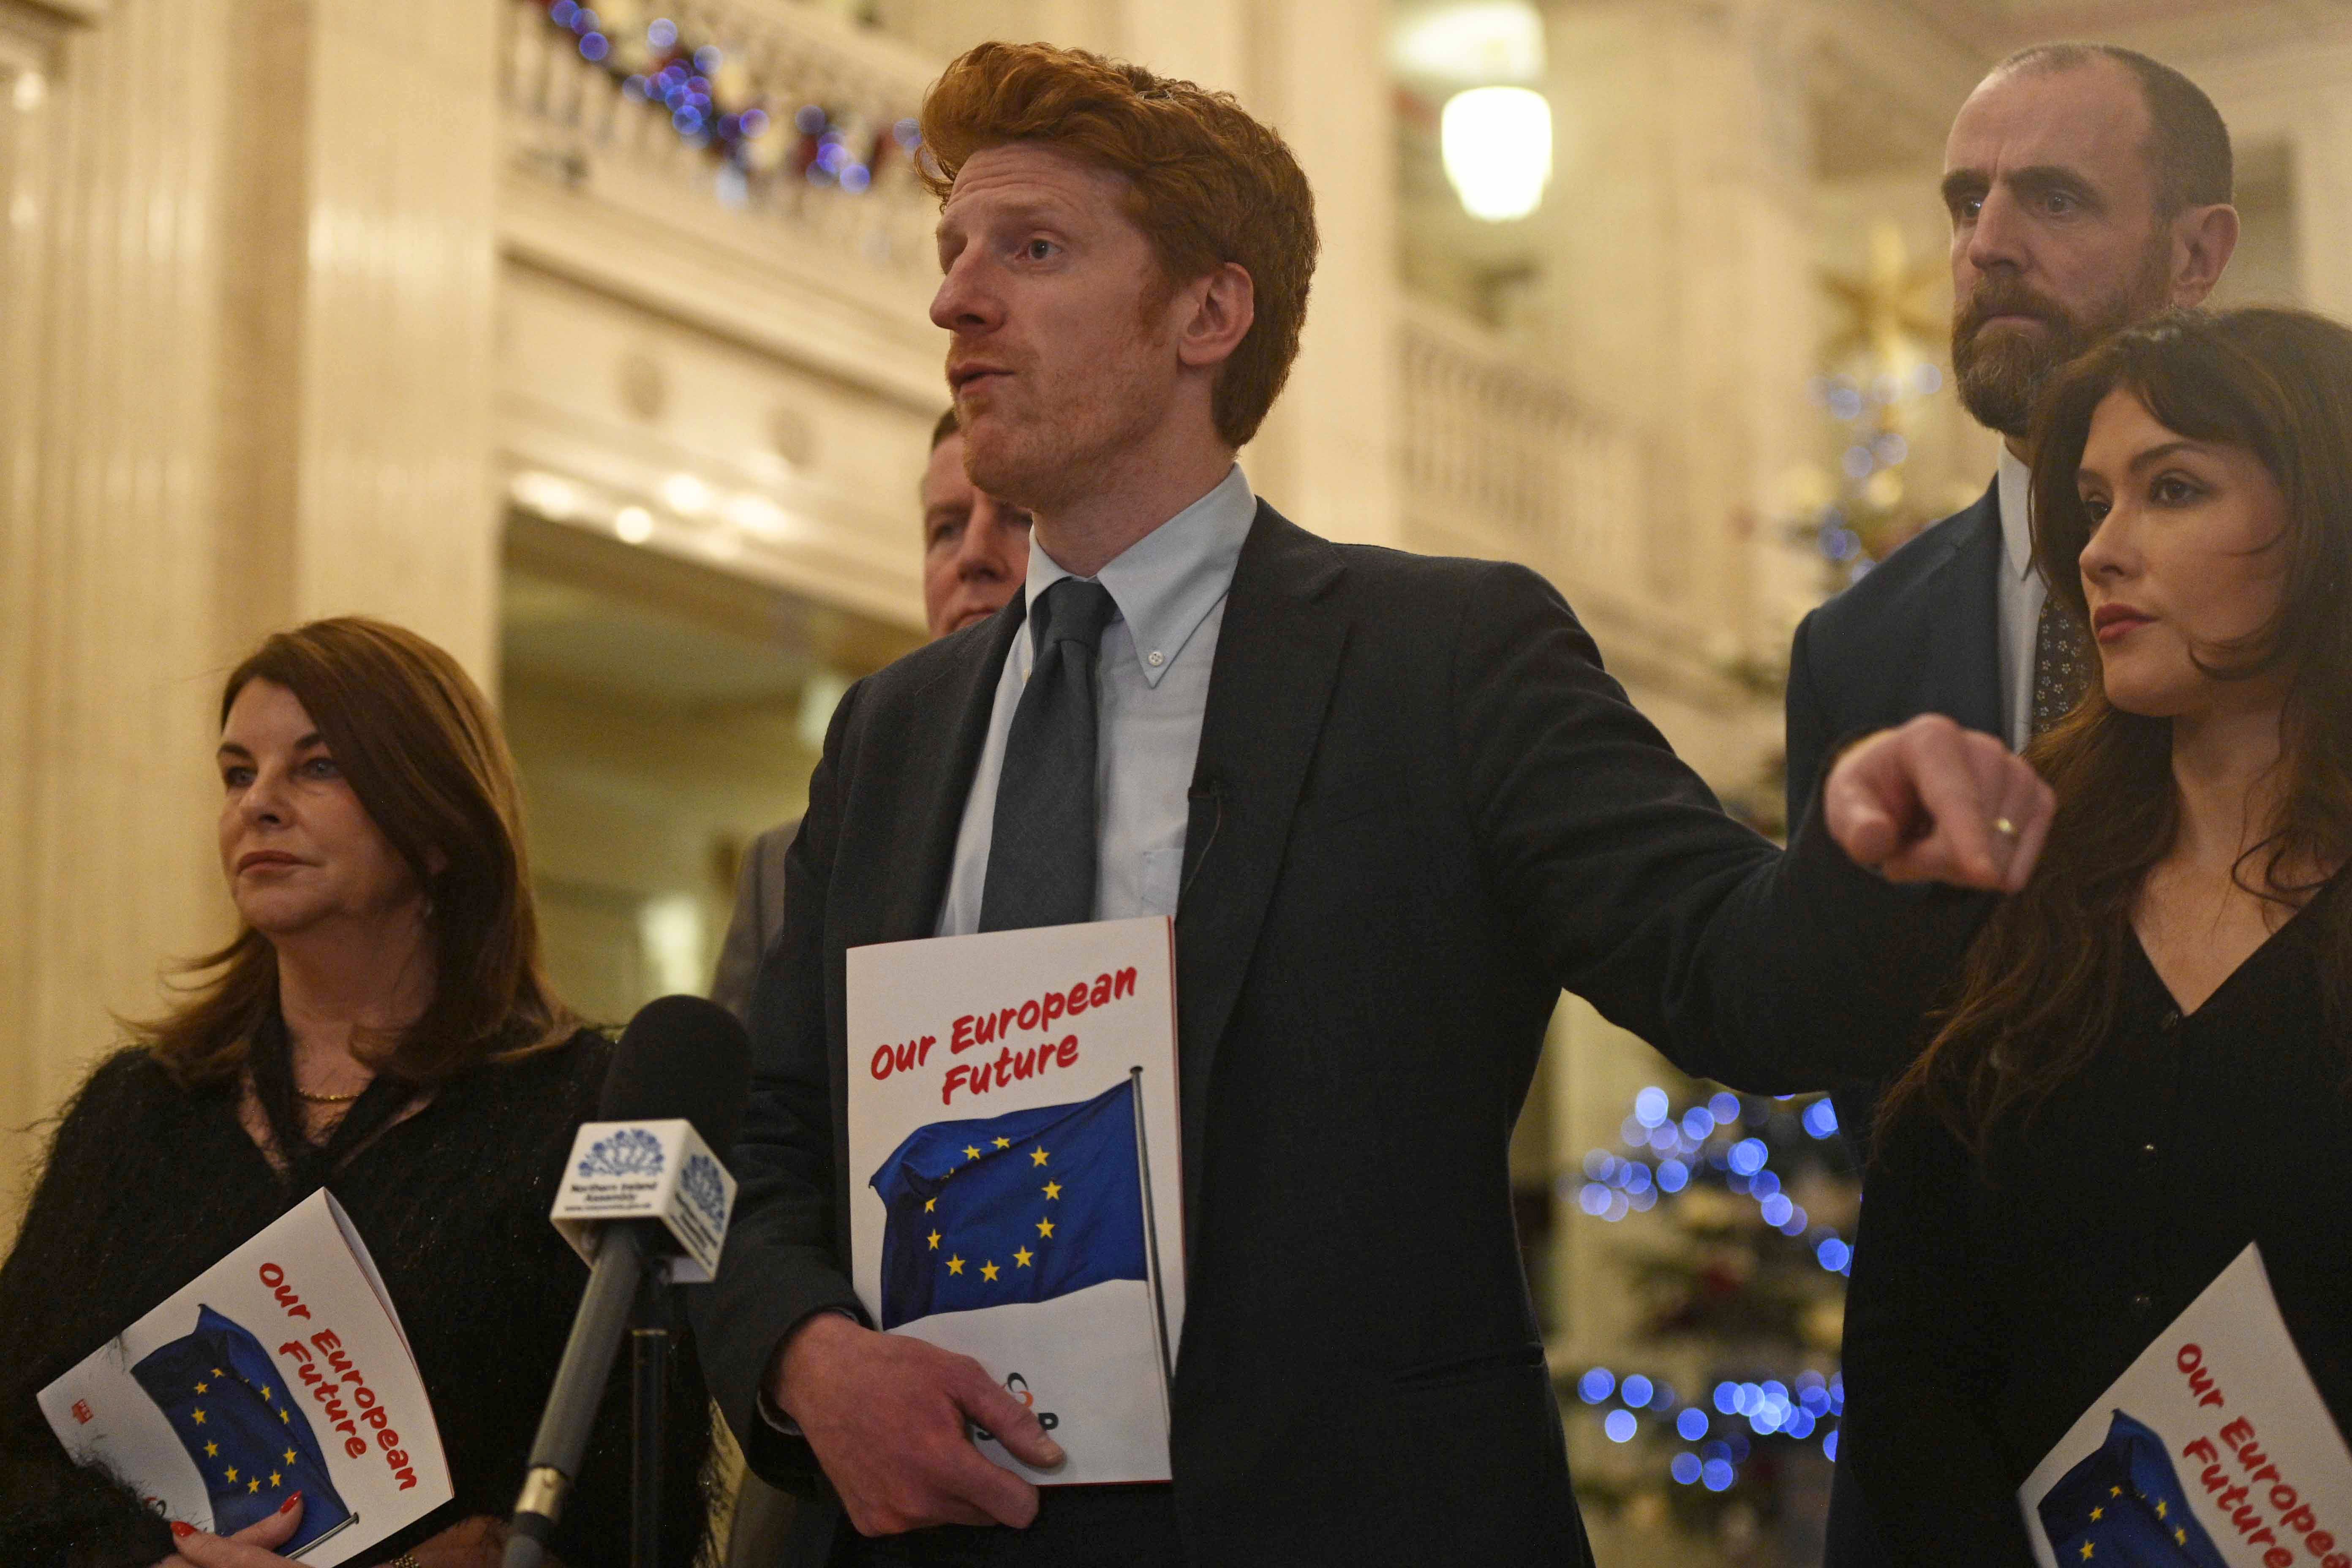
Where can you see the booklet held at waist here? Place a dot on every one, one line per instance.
(2213, 1450)
(1014, 1149)
(281, 1369)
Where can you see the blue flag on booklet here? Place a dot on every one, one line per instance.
(2124, 1504)
(242, 1428)
(1021, 1208)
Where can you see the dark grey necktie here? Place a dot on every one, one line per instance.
(1042, 854)
(2063, 665)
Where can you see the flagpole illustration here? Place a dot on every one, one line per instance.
(1151, 1250)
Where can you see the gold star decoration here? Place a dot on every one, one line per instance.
(1021, 1256)
(930, 1203)
(935, 1241)
(2096, 1514)
(203, 1388)
(197, 1417)
(970, 1153)
(2115, 1491)
(289, 1456)
(2086, 1552)
(1891, 306)
(2160, 1508)
(1037, 1156)
(1053, 1189)
(254, 1484)
(1045, 1228)
(2181, 1535)
(1005, 1142)
(212, 1451)
(218, 1372)
(232, 1472)
(955, 1264)
(277, 1479)
(988, 1270)
(265, 1391)
(282, 1415)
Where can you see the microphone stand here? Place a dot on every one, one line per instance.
(649, 1350)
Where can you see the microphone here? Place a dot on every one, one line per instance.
(681, 1058)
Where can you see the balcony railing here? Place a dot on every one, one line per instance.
(1500, 460)
(786, 116)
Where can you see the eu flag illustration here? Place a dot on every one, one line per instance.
(1021, 1208)
(243, 1426)
(2124, 1504)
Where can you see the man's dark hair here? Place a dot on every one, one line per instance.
(946, 428)
(2188, 146)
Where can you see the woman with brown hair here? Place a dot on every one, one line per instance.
(379, 1026)
(2146, 1065)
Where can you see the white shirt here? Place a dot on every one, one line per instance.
(2020, 598)
(1151, 689)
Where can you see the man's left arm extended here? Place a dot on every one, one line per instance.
(1772, 972)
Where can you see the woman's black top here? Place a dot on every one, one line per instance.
(1990, 1307)
(148, 1184)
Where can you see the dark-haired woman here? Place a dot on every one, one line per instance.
(2146, 1066)
(379, 1026)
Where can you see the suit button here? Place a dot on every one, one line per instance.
(2142, 1304)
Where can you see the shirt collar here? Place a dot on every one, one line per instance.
(1166, 582)
(2015, 482)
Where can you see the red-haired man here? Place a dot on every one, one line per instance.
(1394, 806)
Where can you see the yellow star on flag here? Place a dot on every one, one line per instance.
(203, 1388)
(935, 1241)
(289, 1456)
(970, 1154)
(283, 1416)
(930, 1203)
(955, 1264)
(1046, 1228)
(276, 1480)
(197, 1417)
(2160, 1508)
(988, 1270)
(1053, 1189)
(1037, 1156)
(254, 1484)
(1021, 1256)
(2181, 1535)
(2097, 1514)
(218, 1372)
(1005, 1142)
(212, 1451)
(232, 1472)
(2086, 1552)
(2115, 1491)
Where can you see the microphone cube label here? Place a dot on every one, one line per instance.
(646, 1170)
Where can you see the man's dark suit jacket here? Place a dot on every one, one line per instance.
(1921, 634)
(1420, 808)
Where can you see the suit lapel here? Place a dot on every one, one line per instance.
(1965, 681)
(1278, 652)
(937, 779)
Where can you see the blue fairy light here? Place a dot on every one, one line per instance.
(563, 13)
(1635, 1391)
(1820, 1117)
(662, 34)
(1697, 1122)
(1620, 1425)
(1683, 1468)
(1593, 1198)
(1776, 1209)
(594, 47)
(1764, 1184)
(1797, 1222)
(1672, 1175)
(1828, 1445)
(1726, 1398)
(1691, 1423)
(1650, 1106)
(1747, 1156)
(1595, 1385)
(1725, 1107)
(1718, 1474)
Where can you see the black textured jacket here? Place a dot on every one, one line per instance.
(148, 1185)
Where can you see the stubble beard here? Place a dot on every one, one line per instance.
(2001, 379)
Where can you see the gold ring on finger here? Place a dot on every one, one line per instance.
(2004, 826)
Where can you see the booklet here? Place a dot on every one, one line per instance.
(2213, 1450)
(281, 1369)
(1013, 1139)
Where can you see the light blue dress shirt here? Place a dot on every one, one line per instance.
(1151, 688)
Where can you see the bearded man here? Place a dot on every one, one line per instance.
(2089, 189)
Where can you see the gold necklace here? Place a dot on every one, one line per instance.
(305, 1096)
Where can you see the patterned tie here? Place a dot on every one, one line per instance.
(1041, 861)
(2063, 665)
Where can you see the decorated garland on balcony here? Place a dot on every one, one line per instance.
(712, 103)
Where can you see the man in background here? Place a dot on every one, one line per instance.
(2089, 189)
(975, 554)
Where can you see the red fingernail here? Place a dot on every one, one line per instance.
(291, 1503)
(183, 1530)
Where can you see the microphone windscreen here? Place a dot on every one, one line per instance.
(681, 1057)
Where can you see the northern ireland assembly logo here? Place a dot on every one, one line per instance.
(631, 1152)
(699, 1181)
